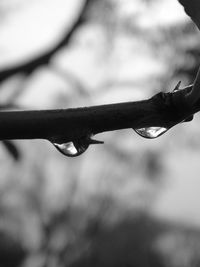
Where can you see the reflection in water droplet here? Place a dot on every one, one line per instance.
(72, 149)
(151, 132)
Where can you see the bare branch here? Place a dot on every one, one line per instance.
(163, 109)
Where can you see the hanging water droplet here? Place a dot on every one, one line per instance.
(72, 149)
(76, 147)
(151, 132)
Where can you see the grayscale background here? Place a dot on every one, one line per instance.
(131, 202)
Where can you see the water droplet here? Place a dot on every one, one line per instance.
(151, 132)
(72, 149)
(76, 147)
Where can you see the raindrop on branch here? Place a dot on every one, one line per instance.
(72, 149)
(151, 132)
(154, 132)
(76, 147)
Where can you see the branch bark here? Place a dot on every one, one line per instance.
(163, 109)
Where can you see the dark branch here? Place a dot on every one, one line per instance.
(192, 8)
(163, 109)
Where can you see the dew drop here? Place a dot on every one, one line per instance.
(72, 149)
(151, 132)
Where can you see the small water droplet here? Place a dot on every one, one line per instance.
(72, 149)
(151, 132)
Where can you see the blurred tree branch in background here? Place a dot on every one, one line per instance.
(44, 59)
(97, 210)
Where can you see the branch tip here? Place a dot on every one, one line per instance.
(177, 87)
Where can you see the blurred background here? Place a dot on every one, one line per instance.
(131, 202)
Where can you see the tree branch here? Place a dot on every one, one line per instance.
(162, 110)
(192, 9)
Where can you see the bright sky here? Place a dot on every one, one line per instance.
(33, 26)
(159, 13)
(36, 25)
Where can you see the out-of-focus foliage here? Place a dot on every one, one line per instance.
(130, 202)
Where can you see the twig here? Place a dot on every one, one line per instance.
(163, 109)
